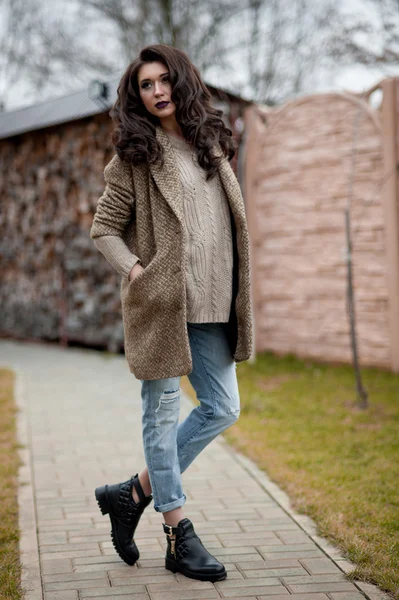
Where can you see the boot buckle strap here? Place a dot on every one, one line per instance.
(169, 530)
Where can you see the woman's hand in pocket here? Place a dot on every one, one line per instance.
(135, 271)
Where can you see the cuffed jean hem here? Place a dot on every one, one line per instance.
(172, 505)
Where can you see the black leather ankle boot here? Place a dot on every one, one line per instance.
(117, 502)
(186, 554)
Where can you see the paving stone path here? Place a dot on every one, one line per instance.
(81, 420)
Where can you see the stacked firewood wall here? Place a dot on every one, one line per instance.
(55, 285)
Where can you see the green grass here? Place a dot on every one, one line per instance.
(340, 465)
(10, 570)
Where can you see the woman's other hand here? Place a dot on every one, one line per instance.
(135, 271)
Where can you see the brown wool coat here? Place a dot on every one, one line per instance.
(144, 205)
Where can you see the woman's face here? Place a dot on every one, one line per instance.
(155, 87)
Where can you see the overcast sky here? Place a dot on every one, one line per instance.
(350, 78)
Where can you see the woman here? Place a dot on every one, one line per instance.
(172, 222)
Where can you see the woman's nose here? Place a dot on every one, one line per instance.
(157, 88)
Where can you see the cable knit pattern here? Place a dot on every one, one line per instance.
(209, 252)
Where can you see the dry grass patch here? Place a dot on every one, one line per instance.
(10, 570)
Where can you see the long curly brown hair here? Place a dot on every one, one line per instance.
(134, 135)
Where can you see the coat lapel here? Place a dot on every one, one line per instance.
(233, 191)
(167, 177)
(168, 182)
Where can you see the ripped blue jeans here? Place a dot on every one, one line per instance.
(170, 447)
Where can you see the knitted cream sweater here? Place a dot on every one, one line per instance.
(209, 251)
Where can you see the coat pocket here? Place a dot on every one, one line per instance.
(129, 285)
(147, 293)
(132, 281)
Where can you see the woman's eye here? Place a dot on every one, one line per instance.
(147, 83)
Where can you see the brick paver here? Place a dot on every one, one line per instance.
(83, 419)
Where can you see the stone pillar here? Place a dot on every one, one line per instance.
(390, 123)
